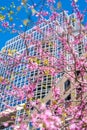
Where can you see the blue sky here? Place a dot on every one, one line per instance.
(16, 15)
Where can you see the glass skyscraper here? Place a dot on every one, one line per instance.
(17, 72)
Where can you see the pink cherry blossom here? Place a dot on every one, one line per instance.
(5, 24)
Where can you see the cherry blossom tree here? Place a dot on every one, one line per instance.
(71, 61)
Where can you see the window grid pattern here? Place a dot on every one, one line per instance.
(80, 49)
